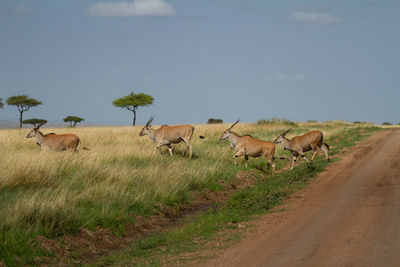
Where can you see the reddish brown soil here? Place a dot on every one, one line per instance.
(348, 216)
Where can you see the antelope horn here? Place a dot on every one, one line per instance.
(149, 121)
(285, 132)
(37, 127)
(234, 124)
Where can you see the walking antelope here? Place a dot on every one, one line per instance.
(168, 135)
(249, 146)
(300, 144)
(54, 142)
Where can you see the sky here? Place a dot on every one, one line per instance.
(228, 59)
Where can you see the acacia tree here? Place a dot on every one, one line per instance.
(73, 120)
(133, 101)
(23, 103)
(1, 103)
(33, 121)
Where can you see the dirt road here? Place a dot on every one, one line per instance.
(348, 216)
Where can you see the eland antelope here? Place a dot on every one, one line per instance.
(54, 142)
(300, 144)
(249, 146)
(168, 135)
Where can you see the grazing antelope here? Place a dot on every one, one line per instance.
(249, 146)
(300, 144)
(54, 142)
(168, 135)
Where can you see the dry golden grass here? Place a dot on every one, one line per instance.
(58, 192)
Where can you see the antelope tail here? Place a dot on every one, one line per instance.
(327, 146)
(83, 147)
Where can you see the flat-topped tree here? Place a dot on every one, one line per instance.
(1, 103)
(73, 120)
(23, 103)
(34, 121)
(133, 101)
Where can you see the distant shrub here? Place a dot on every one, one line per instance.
(212, 121)
(357, 122)
(73, 120)
(387, 123)
(311, 121)
(33, 121)
(283, 121)
(337, 122)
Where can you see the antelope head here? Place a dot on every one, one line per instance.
(32, 133)
(281, 136)
(227, 132)
(146, 127)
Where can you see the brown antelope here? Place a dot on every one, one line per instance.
(54, 142)
(249, 146)
(300, 144)
(168, 135)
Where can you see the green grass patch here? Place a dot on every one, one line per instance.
(244, 205)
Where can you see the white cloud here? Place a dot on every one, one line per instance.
(129, 9)
(15, 10)
(314, 17)
(240, 2)
(291, 77)
(22, 9)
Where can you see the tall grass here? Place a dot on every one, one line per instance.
(276, 121)
(57, 193)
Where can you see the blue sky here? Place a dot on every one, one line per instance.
(229, 59)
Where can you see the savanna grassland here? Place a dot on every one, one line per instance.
(121, 180)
